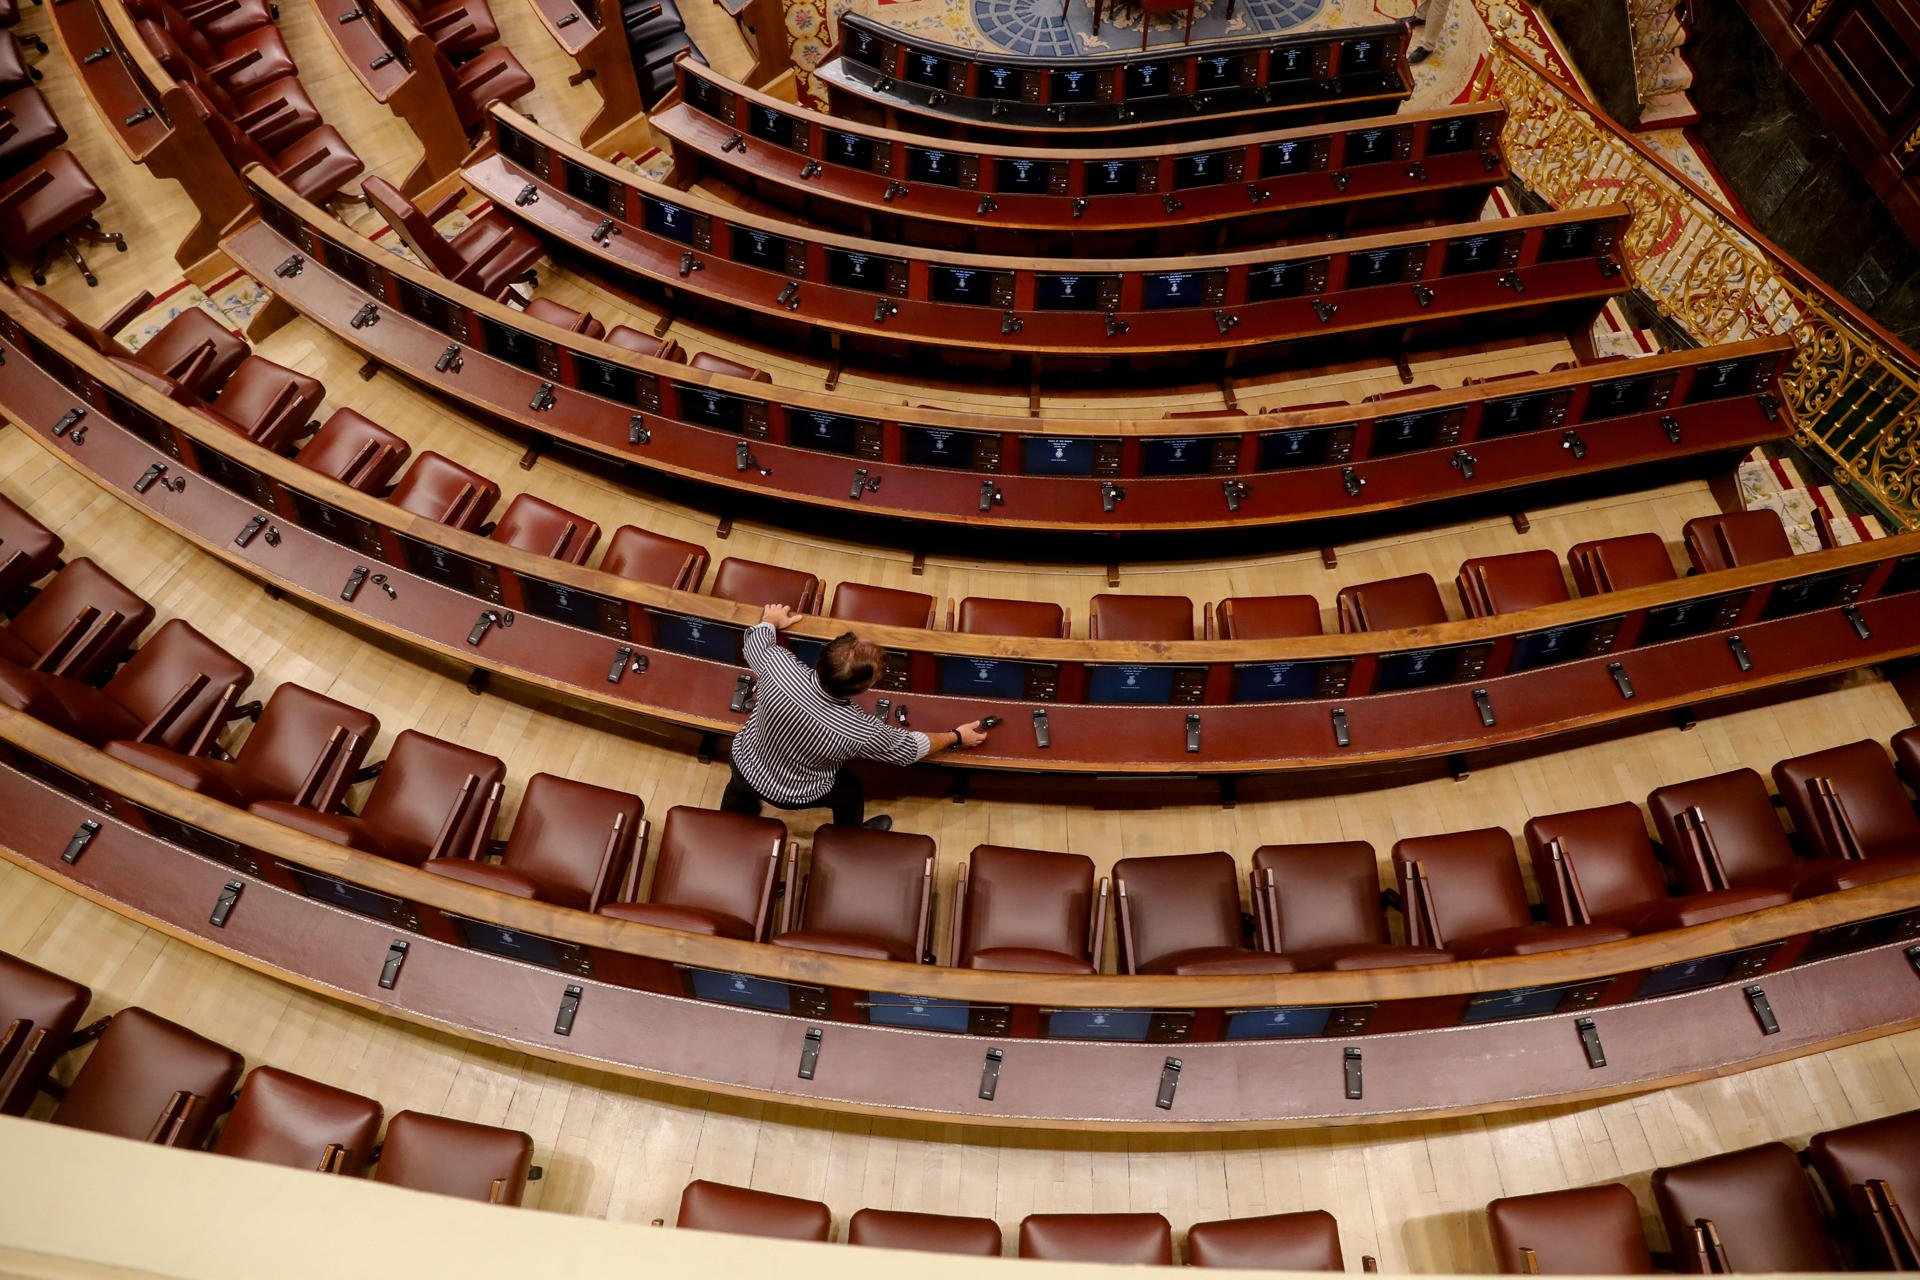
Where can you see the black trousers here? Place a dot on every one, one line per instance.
(847, 799)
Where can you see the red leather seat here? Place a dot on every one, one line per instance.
(571, 844)
(1028, 911)
(442, 490)
(1847, 802)
(29, 551)
(1607, 873)
(1754, 1208)
(645, 344)
(882, 606)
(536, 525)
(356, 451)
(1097, 1237)
(304, 750)
(269, 403)
(174, 693)
(82, 622)
(642, 556)
(316, 163)
(1116, 617)
(45, 207)
(1491, 585)
(1320, 906)
(565, 317)
(1181, 914)
(707, 362)
(239, 64)
(490, 254)
(714, 875)
(750, 582)
(1463, 892)
(150, 1080)
(1884, 1152)
(432, 799)
(282, 1118)
(1620, 564)
(1308, 1241)
(455, 1158)
(490, 76)
(1268, 617)
(925, 1232)
(866, 893)
(1390, 604)
(740, 1211)
(1721, 833)
(1587, 1231)
(28, 129)
(219, 20)
(1730, 541)
(1906, 755)
(272, 115)
(982, 616)
(457, 27)
(192, 347)
(39, 1010)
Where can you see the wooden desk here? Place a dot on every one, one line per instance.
(601, 49)
(400, 67)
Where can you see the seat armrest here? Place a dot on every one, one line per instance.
(240, 62)
(127, 313)
(32, 185)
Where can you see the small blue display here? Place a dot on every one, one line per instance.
(1277, 1024)
(1099, 1024)
(917, 1012)
(739, 988)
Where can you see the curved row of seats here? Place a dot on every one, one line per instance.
(152, 1080)
(1306, 1241)
(1754, 1210)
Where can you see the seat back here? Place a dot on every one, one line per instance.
(870, 884)
(455, 1158)
(1268, 617)
(1760, 1205)
(925, 1232)
(305, 748)
(983, 616)
(1590, 1231)
(753, 583)
(1620, 564)
(1467, 884)
(643, 556)
(83, 621)
(1739, 538)
(1097, 1237)
(1177, 903)
(572, 840)
(1846, 802)
(720, 863)
(1118, 617)
(355, 450)
(38, 1011)
(716, 1206)
(1491, 585)
(1391, 603)
(281, 1118)
(538, 526)
(442, 490)
(1886, 1151)
(1607, 863)
(1744, 845)
(882, 606)
(1028, 900)
(1312, 896)
(179, 687)
(50, 307)
(150, 1080)
(433, 799)
(410, 223)
(1308, 1241)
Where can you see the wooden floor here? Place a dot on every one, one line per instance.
(1409, 1194)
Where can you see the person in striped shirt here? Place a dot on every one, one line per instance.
(804, 728)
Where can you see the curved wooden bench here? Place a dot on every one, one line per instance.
(395, 62)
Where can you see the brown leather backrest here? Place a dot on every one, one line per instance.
(439, 488)
(455, 1158)
(282, 1118)
(279, 754)
(1739, 538)
(643, 556)
(43, 1002)
(1906, 755)
(1591, 1231)
(1473, 880)
(1391, 603)
(1029, 899)
(1620, 564)
(868, 884)
(355, 450)
(711, 363)
(1876, 808)
(984, 616)
(127, 1084)
(422, 788)
(1740, 819)
(1611, 856)
(1884, 1150)
(49, 619)
(1509, 583)
(716, 1206)
(1097, 1237)
(1118, 617)
(1760, 1203)
(750, 582)
(925, 1232)
(54, 310)
(170, 665)
(1180, 902)
(1268, 617)
(1329, 894)
(538, 526)
(1308, 1241)
(714, 861)
(565, 317)
(882, 606)
(410, 223)
(563, 840)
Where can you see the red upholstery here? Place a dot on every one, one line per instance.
(750, 582)
(1463, 892)
(571, 844)
(1115, 617)
(1308, 1241)
(644, 556)
(458, 27)
(490, 254)
(28, 129)
(455, 1158)
(1906, 755)
(356, 451)
(1320, 906)
(490, 76)
(565, 317)
(239, 65)
(227, 19)
(29, 551)
(441, 489)
(538, 526)
(981, 616)
(1490, 585)
(1729, 541)
(1587, 1231)
(707, 362)
(39, 1010)
(46, 200)
(882, 606)
(715, 1206)
(1390, 604)
(1620, 564)
(1847, 802)
(866, 893)
(150, 1080)
(1268, 617)
(713, 876)
(282, 1118)
(1097, 1237)
(1761, 1207)
(82, 622)
(1885, 1150)
(181, 343)
(645, 344)
(925, 1232)
(269, 403)
(1180, 911)
(1028, 911)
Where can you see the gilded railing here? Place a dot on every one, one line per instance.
(1854, 388)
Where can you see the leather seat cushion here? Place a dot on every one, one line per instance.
(1028, 960)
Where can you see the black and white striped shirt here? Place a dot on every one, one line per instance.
(797, 737)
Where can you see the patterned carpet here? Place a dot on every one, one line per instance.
(1037, 26)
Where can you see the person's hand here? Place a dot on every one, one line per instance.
(972, 735)
(779, 615)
